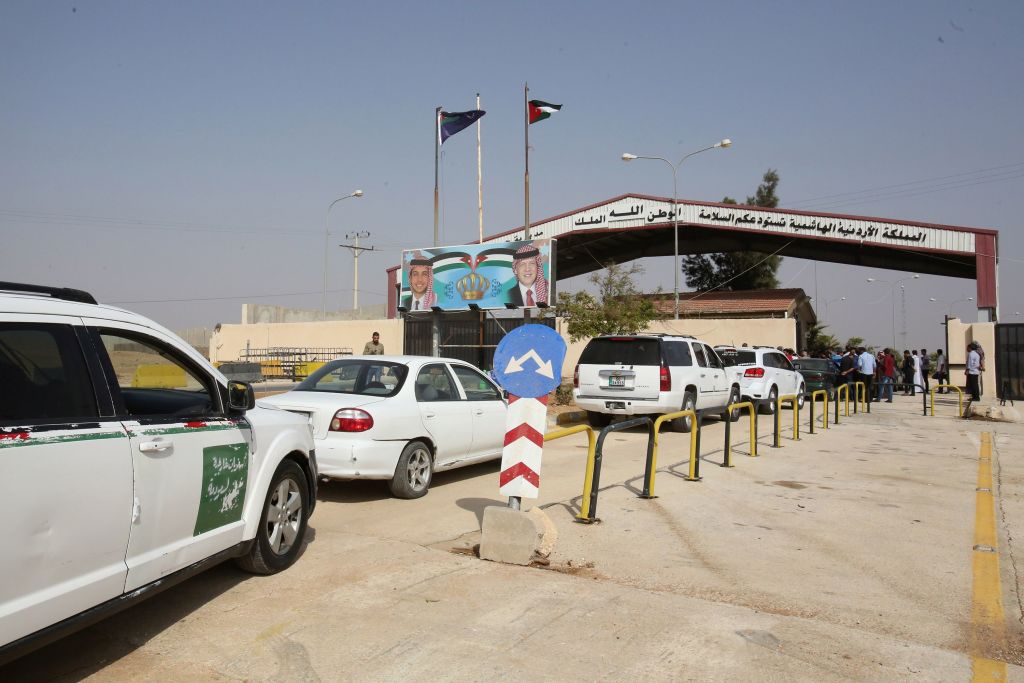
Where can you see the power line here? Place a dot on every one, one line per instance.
(812, 200)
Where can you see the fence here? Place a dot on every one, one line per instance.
(292, 362)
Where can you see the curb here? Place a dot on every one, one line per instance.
(570, 417)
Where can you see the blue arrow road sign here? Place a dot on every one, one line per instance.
(528, 361)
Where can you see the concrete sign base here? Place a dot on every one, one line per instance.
(515, 537)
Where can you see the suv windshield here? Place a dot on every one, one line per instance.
(364, 377)
(735, 357)
(624, 350)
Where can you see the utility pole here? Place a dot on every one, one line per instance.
(356, 251)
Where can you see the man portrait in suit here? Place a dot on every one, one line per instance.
(530, 289)
(421, 285)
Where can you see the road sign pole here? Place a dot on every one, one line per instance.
(528, 364)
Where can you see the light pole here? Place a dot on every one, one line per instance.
(675, 209)
(832, 301)
(892, 296)
(327, 235)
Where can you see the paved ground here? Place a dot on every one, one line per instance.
(844, 556)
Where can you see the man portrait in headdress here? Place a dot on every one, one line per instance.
(531, 289)
(421, 284)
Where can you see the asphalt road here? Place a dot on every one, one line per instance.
(846, 555)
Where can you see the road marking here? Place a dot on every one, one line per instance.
(987, 618)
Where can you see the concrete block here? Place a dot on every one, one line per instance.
(550, 533)
(510, 536)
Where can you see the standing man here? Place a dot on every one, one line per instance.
(973, 371)
(847, 367)
(531, 288)
(941, 371)
(374, 347)
(866, 370)
(888, 375)
(926, 364)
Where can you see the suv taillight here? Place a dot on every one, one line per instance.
(753, 372)
(576, 377)
(666, 379)
(351, 420)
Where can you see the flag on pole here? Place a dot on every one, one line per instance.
(541, 110)
(450, 123)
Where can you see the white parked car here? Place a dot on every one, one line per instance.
(129, 463)
(650, 374)
(399, 418)
(766, 374)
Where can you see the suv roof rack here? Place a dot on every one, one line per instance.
(64, 293)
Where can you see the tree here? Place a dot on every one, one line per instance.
(816, 341)
(855, 342)
(739, 269)
(618, 308)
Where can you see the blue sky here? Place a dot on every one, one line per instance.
(181, 156)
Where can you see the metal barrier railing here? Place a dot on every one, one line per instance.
(840, 391)
(779, 400)
(595, 470)
(584, 515)
(727, 462)
(861, 395)
(652, 454)
(960, 398)
(824, 414)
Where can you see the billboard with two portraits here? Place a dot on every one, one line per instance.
(495, 275)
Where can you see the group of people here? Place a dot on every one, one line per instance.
(883, 373)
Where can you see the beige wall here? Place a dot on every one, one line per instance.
(229, 342)
(961, 334)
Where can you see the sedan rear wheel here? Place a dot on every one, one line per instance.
(414, 471)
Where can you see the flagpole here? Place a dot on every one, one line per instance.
(526, 176)
(479, 176)
(437, 155)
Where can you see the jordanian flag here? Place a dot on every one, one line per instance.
(449, 123)
(452, 260)
(542, 110)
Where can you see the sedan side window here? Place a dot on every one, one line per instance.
(476, 386)
(433, 383)
(154, 381)
(43, 376)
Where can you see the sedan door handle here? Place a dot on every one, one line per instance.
(157, 446)
(429, 415)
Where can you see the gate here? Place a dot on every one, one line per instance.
(1010, 361)
(465, 335)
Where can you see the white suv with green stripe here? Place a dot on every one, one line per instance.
(132, 463)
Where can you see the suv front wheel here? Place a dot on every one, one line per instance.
(283, 522)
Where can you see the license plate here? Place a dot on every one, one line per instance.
(616, 381)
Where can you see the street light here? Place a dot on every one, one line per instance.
(327, 234)
(892, 289)
(831, 301)
(949, 304)
(726, 142)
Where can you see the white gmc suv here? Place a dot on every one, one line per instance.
(129, 464)
(650, 374)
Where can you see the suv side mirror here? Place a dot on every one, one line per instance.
(240, 396)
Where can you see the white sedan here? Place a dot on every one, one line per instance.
(399, 418)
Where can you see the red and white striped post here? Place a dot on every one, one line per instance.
(524, 446)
